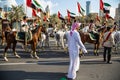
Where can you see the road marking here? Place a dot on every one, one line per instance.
(34, 63)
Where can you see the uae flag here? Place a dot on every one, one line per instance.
(60, 16)
(101, 5)
(71, 14)
(33, 13)
(106, 8)
(107, 16)
(34, 4)
(80, 9)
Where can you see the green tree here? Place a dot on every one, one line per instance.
(16, 13)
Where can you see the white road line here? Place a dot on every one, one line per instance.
(33, 63)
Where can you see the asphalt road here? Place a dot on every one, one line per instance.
(53, 65)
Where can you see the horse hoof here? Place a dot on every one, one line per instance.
(17, 56)
(5, 58)
(37, 57)
(31, 56)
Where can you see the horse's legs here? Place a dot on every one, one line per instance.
(96, 49)
(3, 38)
(15, 53)
(31, 51)
(34, 51)
(5, 51)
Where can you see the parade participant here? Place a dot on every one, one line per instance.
(25, 28)
(92, 30)
(85, 28)
(24, 24)
(92, 27)
(74, 44)
(35, 24)
(108, 42)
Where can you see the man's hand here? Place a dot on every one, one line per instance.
(84, 51)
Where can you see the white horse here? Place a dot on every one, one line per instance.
(60, 38)
(116, 39)
(42, 42)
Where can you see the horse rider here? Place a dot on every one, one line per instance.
(25, 28)
(91, 27)
(85, 28)
(34, 24)
(92, 30)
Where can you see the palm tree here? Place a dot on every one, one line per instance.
(16, 14)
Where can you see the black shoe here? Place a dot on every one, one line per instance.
(104, 60)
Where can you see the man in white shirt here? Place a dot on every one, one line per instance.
(25, 28)
(108, 43)
(74, 44)
(24, 24)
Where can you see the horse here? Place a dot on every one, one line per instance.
(59, 37)
(116, 35)
(85, 37)
(11, 39)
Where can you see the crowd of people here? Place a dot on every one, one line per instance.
(74, 41)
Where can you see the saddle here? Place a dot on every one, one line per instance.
(20, 36)
(93, 35)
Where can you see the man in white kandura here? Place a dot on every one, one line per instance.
(74, 45)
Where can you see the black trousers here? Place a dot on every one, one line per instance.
(107, 51)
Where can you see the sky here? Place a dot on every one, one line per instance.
(63, 5)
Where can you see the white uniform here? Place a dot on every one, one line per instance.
(74, 44)
(110, 42)
(25, 28)
(92, 28)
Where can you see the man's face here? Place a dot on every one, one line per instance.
(78, 27)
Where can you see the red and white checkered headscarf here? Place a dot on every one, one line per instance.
(74, 26)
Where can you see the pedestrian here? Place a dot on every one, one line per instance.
(74, 44)
(108, 43)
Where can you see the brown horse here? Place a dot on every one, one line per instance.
(11, 39)
(3, 34)
(85, 37)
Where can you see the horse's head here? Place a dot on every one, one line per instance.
(43, 29)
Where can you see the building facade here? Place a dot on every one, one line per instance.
(7, 4)
(88, 7)
(117, 14)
